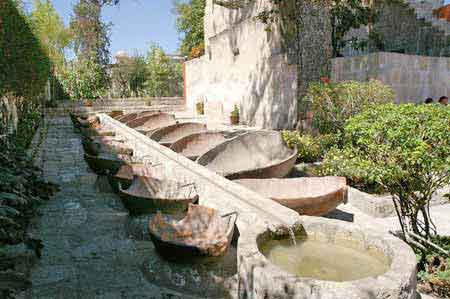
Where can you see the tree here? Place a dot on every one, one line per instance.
(91, 35)
(83, 79)
(406, 150)
(190, 20)
(129, 75)
(346, 15)
(53, 35)
(91, 44)
(164, 75)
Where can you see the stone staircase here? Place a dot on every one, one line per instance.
(424, 10)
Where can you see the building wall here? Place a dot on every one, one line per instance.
(412, 77)
(243, 65)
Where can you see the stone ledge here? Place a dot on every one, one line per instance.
(381, 206)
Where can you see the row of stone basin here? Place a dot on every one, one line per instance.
(245, 158)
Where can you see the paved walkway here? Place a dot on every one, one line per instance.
(93, 249)
(88, 252)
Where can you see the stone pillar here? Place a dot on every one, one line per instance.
(314, 50)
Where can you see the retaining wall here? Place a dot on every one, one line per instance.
(171, 104)
(412, 77)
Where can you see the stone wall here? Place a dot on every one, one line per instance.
(405, 27)
(244, 65)
(412, 77)
(163, 104)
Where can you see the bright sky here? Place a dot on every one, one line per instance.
(136, 24)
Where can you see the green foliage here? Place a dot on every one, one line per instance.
(200, 107)
(235, 111)
(310, 148)
(165, 77)
(357, 170)
(21, 192)
(333, 103)
(190, 16)
(24, 66)
(50, 29)
(346, 15)
(24, 71)
(84, 80)
(403, 148)
(129, 75)
(90, 35)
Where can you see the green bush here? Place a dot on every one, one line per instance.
(405, 149)
(333, 103)
(310, 148)
(84, 80)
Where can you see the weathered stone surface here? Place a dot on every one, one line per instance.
(244, 65)
(261, 279)
(382, 205)
(413, 78)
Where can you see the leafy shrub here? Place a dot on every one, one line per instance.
(403, 148)
(333, 103)
(84, 80)
(310, 148)
(358, 171)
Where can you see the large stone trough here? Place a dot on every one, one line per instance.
(257, 215)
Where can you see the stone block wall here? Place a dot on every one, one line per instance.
(407, 27)
(412, 77)
(163, 104)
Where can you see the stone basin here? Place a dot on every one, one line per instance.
(261, 278)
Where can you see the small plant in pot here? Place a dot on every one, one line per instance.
(234, 116)
(200, 107)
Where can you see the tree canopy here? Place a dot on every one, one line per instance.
(49, 28)
(190, 16)
(90, 33)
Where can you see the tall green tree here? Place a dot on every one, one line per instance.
(50, 29)
(129, 75)
(88, 77)
(190, 15)
(164, 75)
(90, 33)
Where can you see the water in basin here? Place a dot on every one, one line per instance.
(323, 260)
